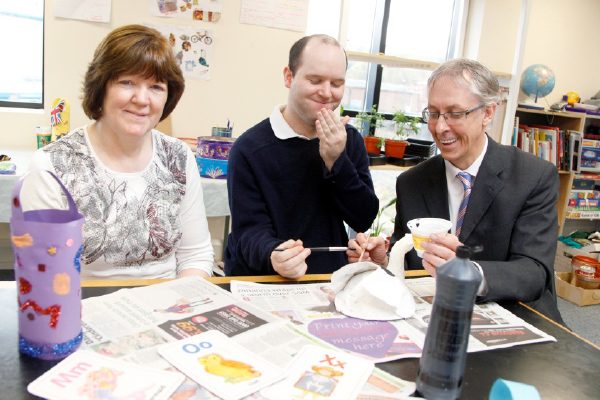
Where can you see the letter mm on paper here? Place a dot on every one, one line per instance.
(89, 375)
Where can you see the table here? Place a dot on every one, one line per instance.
(215, 196)
(216, 203)
(214, 190)
(21, 159)
(567, 369)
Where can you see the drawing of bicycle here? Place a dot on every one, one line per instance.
(202, 37)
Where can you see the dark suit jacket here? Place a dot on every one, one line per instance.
(511, 213)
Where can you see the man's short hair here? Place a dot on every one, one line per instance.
(295, 58)
(475, 75)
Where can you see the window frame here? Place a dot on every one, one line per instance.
(30, 105)
(377, 58)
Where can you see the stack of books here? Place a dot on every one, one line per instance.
(561, 147)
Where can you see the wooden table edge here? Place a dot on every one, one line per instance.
(226, 279)
(564, 328)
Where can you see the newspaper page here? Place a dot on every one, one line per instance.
(131, 324)
(311, 307)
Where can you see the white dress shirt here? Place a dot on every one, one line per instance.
(455, 187)
(455, 196)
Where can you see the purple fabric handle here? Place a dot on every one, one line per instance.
(51, 215)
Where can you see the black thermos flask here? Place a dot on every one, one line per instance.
(442, 364)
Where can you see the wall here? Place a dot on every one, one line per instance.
(560, 34)
(564, 35)
(246, 74)
(492, 32)
(248, 61)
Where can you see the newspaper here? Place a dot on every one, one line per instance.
(311, 308)
(131, 324)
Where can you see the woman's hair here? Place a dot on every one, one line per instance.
(131, 49)
(480, 80)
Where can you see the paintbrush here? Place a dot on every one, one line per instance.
(316, 249)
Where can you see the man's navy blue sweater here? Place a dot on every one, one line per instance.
(281, 189)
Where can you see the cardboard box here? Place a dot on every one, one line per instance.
(574, 294)
(564, 253)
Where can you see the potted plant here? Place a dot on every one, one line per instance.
(368, 121)
(405, 126)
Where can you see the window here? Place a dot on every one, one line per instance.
(22, 47)
(415, 37)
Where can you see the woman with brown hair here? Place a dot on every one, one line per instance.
(138, 189)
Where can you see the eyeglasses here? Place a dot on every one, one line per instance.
(450, 116)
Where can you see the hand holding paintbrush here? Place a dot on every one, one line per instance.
(368, 249)
(289, 259)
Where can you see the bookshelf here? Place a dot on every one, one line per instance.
(564, 193)
(591, 125)
(569, 217)
(567, 121)
(586, 215)
(564, 119)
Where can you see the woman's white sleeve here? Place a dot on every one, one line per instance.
(195, 249)
(40, 191)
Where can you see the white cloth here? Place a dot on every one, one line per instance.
(148, 224)
(364, 290)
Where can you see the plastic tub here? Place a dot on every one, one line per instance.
(586, 271)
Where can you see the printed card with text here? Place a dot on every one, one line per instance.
(89, 375)
(221, 365)
(320, 373)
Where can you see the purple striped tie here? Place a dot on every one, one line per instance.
(466, 180)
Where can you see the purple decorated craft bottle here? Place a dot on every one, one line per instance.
(47, 246)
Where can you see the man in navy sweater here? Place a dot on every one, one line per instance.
(297, 176)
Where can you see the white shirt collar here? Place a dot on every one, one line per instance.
(280, 127)
(455, 187)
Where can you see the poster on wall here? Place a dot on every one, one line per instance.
(192, 48)
(196, 10)
(281, 14)
(84, 10)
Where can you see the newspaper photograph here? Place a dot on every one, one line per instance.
(314, 310)
(131, 324)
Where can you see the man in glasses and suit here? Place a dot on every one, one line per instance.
(496, 196)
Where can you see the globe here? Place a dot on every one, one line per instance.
(537, 81)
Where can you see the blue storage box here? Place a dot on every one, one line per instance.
(212, 168)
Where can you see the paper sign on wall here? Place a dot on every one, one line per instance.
(85, 10)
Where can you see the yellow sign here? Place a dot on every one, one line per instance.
(60, 117)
